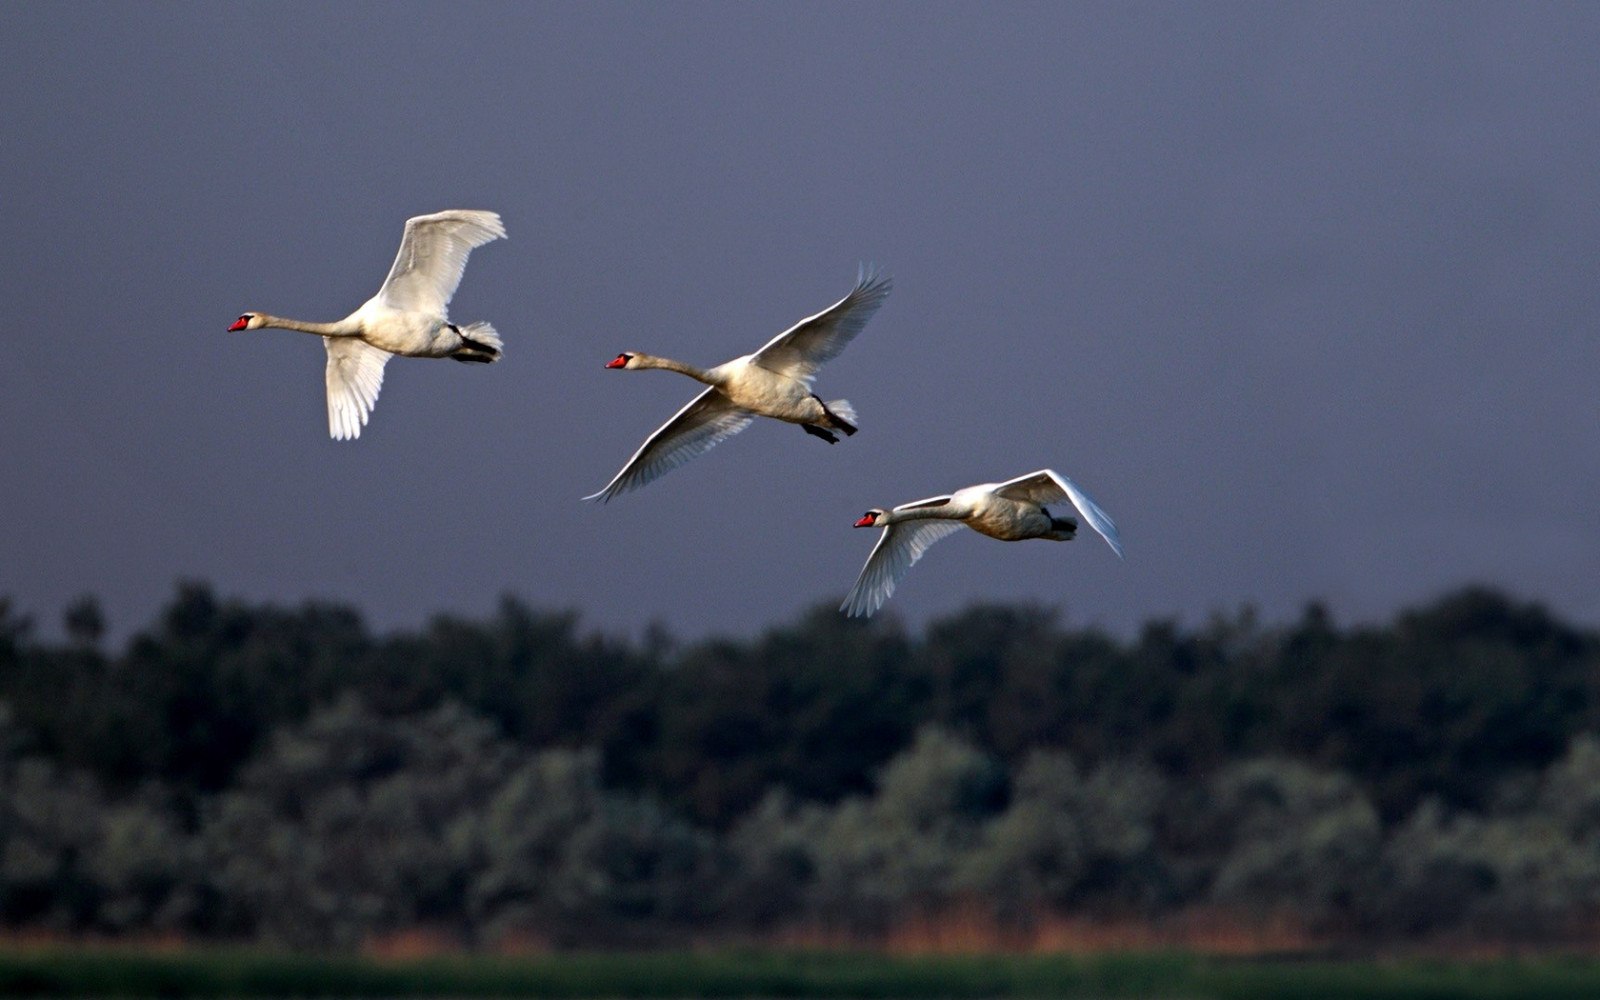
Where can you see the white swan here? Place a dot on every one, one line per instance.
(407, 316)
(773, 382)
(1010, 511)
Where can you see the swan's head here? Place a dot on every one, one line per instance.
(247, 321)
(870, 518)
(623, 360)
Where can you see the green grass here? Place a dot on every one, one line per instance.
(82, 972)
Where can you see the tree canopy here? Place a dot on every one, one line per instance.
(271, 773)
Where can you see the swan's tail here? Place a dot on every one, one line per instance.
(843, 414)
(480, 343)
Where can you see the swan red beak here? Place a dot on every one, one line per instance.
(867, 520)
(618, 361)
(238, 324)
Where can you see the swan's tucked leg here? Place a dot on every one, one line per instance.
(479, 343)
(839, 423)
(1065, 524)
(816, 431)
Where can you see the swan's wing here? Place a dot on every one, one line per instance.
(896, 552)
(939, 501)
(708, 419)
(804, 347)
(354, 376)
(1047, 486)
(433, 254)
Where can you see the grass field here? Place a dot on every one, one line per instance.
(81, 972)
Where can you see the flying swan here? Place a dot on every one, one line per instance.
(407, 316)
(1010, 511)
(773, 382)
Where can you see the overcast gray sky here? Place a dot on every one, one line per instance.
(1304, 294)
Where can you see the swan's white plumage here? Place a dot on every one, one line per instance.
(407, 316)
(433, 256)
(705, 421)
(354, 377)
(1010, 511)
(775, 381)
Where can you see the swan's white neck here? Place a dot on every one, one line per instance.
(347, 327)
(668, 364)
(944, 512)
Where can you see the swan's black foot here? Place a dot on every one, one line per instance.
(475, 357)
(816, 431)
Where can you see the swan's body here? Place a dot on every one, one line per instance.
(1011, 511)
(408, 316)
(775, 381)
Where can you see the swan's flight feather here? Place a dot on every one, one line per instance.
(897, 551)
(704, 422)
(354, 377)
(803, 348)
(433, 255)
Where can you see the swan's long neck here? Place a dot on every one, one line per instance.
(667, 364)
(943, 512)
(341, 328)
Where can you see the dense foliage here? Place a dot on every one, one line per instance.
(260, 773)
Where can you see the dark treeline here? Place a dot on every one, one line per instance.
(253, 772)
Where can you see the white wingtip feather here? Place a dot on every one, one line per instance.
(1092, 512)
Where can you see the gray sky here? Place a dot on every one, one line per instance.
(1305, 295)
